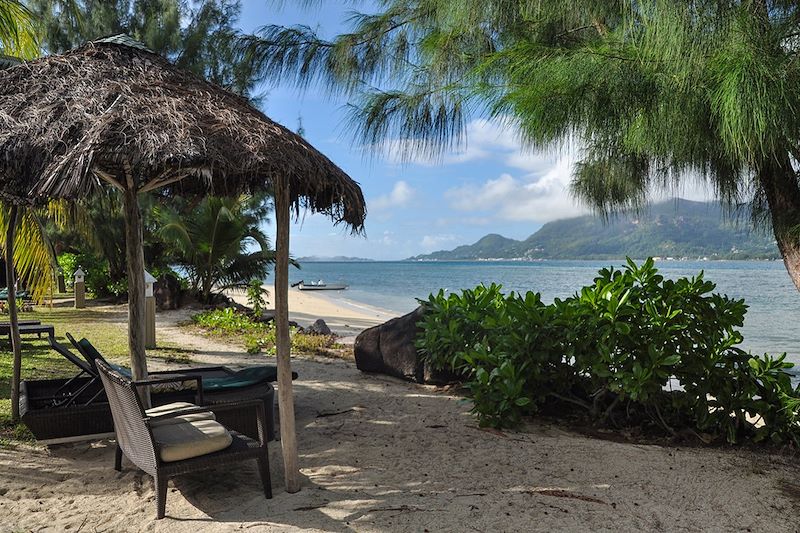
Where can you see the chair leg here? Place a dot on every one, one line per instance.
(161, 497)
(263, 471)
(118, 459)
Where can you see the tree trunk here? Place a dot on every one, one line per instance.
(135, 257)
(282, 341)
(783, 197)
(16, 341)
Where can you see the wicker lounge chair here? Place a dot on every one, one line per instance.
(219, 384)
(177, 439)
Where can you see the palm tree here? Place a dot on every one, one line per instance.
(18, 36)
(18, 39)
(211, 241)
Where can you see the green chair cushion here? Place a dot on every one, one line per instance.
(95, 355)
(243, 378)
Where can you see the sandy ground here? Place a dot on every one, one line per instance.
(345, 318)
(379, 454)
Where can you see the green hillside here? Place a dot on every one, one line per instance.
(675, 228)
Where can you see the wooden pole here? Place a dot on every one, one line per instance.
(16, 341)
(135, 259)
(285, 395)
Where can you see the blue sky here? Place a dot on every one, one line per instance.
(489, 186)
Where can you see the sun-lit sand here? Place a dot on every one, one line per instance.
(345, 317)
(381, 455)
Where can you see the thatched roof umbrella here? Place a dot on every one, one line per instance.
(113, 113)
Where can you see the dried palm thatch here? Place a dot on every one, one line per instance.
(113, 111)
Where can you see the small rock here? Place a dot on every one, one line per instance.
(319, 327)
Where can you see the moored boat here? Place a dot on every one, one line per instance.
(319, 286)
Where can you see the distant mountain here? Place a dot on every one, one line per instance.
(675, 228)
(334, 259)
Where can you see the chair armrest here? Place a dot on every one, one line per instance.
(261, 415)
(177, 413)
(174, 378)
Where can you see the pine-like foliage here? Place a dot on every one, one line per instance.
(196, 34)
(649, 92)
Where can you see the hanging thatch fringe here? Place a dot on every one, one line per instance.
(69, 122)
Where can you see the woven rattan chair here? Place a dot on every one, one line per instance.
(137, 435)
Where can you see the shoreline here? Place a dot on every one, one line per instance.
(346, 318)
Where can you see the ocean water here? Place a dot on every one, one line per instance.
(771, 324)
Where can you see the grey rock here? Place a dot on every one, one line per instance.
(319, 327)
(390, 349)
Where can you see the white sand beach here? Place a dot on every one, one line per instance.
(378, 454)
(345, 317)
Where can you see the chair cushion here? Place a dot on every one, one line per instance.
(176, 406)
(93, 353)
(190, 439)
(245, 377)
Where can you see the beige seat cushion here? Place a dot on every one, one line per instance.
(191, 439)
(177, 406)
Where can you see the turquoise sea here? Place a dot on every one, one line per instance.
(771, 324)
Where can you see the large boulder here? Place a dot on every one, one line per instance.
(389, 349)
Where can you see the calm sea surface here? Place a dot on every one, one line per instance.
(771, 324)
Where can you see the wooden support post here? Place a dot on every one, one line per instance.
(285, 395)
(135, 259)
(16, 341)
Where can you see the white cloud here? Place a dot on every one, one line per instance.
(535, 198)
(401, 195)
(483, 139)
(431, 242)
(387, 239)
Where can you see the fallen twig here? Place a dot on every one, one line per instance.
(334, 413)
(558, 493)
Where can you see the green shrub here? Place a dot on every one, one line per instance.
(224, 321)
(68, 263)
(259, 337)
(257, 296)
(613, 348)
(498, 343)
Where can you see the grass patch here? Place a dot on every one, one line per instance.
(259, 337)
(104, 328)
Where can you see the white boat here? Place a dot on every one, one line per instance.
(319, 286)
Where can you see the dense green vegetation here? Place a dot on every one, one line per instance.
(196, 34)
(678, 228)
(616, 351)
(210, 242)
(259, 336)
(652, 93)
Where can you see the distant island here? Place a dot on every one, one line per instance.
(674, 229)
(334, 259)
